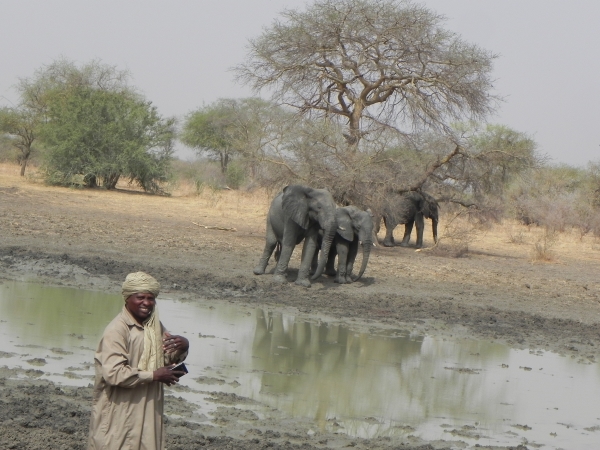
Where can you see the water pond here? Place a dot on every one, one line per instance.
(365, 383)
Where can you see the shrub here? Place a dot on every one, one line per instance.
(199, 174)
(235, 175)
(542, 247)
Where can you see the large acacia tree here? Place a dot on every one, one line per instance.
(384, 88)
(371, 64)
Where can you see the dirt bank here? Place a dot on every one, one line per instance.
(92, 239)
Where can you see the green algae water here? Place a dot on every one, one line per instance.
(365, 383)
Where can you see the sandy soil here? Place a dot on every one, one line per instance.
(93, 238)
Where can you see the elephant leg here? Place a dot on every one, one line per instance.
(377, 226)
(420, 224)
(287, 247)
(315, 258)
(343, 252)
(388, 241)
(330, 267)
(407, 231)
(308, 252)
(352, 253)
(277, 251)
(270, 244)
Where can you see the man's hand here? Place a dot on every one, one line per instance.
(173, 343)
(166, 375)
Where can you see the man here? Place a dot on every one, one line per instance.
(133, 363)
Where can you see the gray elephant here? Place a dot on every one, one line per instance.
(408, 208)
(298, 213)
(354, 227)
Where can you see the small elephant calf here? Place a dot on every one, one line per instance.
(354, 227)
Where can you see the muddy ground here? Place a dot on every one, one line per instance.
(207, 245)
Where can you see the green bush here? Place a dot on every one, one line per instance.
(236, 175)
(8, 153)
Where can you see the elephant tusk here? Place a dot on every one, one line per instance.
(342, 228)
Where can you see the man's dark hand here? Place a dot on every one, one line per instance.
(172, 343)
(167, 376)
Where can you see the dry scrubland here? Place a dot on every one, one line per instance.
(515, 284)
(244, 213)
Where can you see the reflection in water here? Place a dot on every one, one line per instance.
(53, 329)
(377, 384)
(55, 315)
(319, 370)
(362, 383)
(394, 383)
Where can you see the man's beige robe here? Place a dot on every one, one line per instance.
(127, 411)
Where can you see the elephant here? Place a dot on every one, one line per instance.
(298, 213)
(354, 226)
(408, 208)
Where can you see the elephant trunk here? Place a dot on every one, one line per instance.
(328, 235)
(366, 246)
(434, 224)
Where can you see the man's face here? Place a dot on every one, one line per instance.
(140, 305)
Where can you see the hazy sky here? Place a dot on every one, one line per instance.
(179, 54)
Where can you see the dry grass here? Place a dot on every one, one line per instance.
(246, 211)
(213, 207)
(542, 247)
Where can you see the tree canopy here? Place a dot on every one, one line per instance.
(21, 124)
(104, 135)
(96, 127)
(249, 128)
(371, 64)
(388, 97)
(210, 129)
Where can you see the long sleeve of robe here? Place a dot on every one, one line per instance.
(127, 410)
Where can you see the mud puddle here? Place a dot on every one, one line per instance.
(362, 382)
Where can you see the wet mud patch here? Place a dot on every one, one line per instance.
(224, 415)
(178, 406)
(225, 398)
(467, 431)
(60, 351)
(209, 380)
(40, 415)
(464, 370)
(36, 361)
(6, 373)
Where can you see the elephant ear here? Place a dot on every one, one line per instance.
(344, 224)
(430, 207)
(427, 210)
(295, 206)
(422, 204)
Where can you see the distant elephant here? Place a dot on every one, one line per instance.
(354, 226)
(298, 213)
(408, 208)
